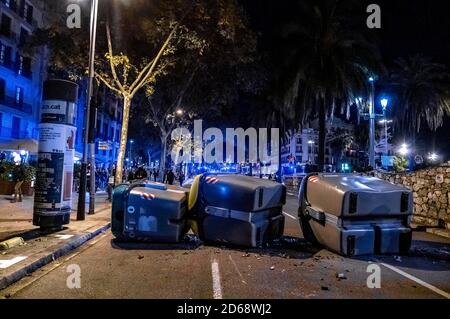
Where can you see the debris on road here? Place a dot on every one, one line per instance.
(140, 257)
(10, 243)
(246, 255)
(325, 288)
(272, 268)
(341, 276)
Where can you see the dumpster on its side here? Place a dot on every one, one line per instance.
(355, 215)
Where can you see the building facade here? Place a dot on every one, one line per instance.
(108, 127)
(21, 76)
(303, 149)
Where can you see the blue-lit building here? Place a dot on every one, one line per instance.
(108, 127)
(21, 76)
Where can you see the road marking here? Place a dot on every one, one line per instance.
(417, 280)
(291, 194)
(44, 271)
(64, 237)
(237, 270)
(289, 215)
(9, 262)
(217, 288)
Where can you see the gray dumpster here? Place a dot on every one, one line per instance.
(238, 210)
(149, 212)
(355, 215)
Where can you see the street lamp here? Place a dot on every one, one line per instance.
(403, 150)
(433, 157)
(84, 164)
(130, 151)
(180, 112)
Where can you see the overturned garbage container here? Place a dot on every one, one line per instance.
(355, 215)
(236, 209)
(151, 212)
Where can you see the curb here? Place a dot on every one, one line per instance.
(44, 260)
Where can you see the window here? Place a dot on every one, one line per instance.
(111, 137)
(19, 96)
(5, 27)
(105, 131)
(2, 89)
(117, 135)
(23, 36)
(27, 13)
(15, 132)
(5, 55)
(10, 4)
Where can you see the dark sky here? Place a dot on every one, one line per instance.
(409, 27)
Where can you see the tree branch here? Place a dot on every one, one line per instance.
(155, 61)
(109, 85)
(110, 50)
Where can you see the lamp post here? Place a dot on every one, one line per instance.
(372, 123)
(384, 104)
(130, 152)
(84, 163)
(310, 153)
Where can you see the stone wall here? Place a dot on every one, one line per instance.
(431, 190)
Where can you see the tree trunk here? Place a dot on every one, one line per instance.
(162, 164)
(322, 135)
(123, 139)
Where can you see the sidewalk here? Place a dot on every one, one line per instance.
(41, 248)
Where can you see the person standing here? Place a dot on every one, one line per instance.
(181, 178)
(18, 177)
(170, 177)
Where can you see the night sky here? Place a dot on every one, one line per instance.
(409, 27)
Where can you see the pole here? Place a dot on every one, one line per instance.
(83, 176)
(94, 16)
(386, 134)
(372, 126)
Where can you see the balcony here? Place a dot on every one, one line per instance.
(7, 132)
(11, 102)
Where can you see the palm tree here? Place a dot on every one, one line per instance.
(328, 60)
(423, 94)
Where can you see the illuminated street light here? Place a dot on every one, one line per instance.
(433, 157)
(180, 112)
(403, 150)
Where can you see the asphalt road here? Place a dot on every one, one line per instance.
(291, 268)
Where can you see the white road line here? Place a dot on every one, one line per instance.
(237, 270)
(9, 262)
(291, 194)
(417, 280)
(217, 289)
(289, 215)
(64, 237)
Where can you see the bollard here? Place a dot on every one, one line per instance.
(54, 175)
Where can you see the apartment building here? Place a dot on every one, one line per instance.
(21, 77)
